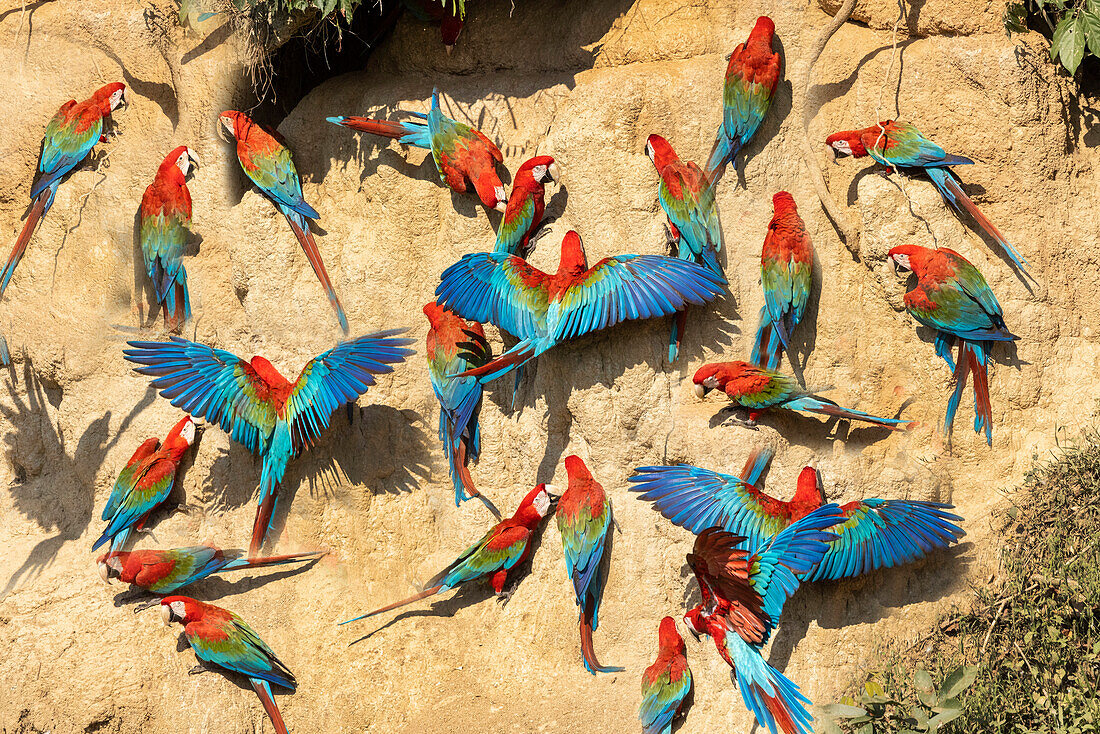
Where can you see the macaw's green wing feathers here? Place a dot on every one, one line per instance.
(498, 549)
(126, 478)
(628, 287)
(499, 289)
(151, 483)
(583, 534)
(67, 142)
(340, 376)
(211, 383)
(661, 698)
(268, 163)
(901, 144)
(877, 533)
(233, 645)
(696, 499)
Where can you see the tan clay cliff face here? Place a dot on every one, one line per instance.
(586, 82)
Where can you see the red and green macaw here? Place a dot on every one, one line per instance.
(687, 196)
(267, 163)
(220, 638)
(544, 310)
(526, 204)
(952, 297)
(900, 145)
(504, 548)
(258, 407)
(455, 345)
(665, 684)
(450, 14)
(755, 389)
(872, 534)
(164, 225)
(584, 517)
(70, 136)
(743, 596)
(164, 571)
(786, 269)
(144, 484)
(751, 77)
(460, 152)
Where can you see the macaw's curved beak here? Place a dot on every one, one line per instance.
(834, 155)
(450, 48)
(554, 171)
(105, 573)
(554, 493)
(194, 158)
(166, 614)
(701, 390)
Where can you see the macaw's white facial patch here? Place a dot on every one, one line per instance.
(901, 262)
(842, 146)
(188, 432)
(542, 500)
(538, 173)
(118, 98)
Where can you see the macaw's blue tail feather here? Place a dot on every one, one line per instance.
(767, 348)
(724, 151)
(949, 188)
(814, 404)
(406, 133)
(973, 360)
(756, 465)
(300, 225)
(275, 459)
(263, 690)
(239, 563)
(38, 209)
(676, 333)
(118, 541)
(516, 385)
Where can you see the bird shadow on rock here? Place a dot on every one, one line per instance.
(53, 489)
(812, 431)
(866, 599)
(397, 458)
(216, 38)
(692, 596)
(1005, 353)
(804, 337)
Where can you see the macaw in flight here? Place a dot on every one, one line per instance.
(871, 534)
(258, 407)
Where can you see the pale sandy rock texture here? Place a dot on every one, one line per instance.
(586, 82)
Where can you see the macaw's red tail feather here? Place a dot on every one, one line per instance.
(264, 692)
(971, 208)
(375, 127)
(415, 597)
(276, 560)
(779, 711)
(24, 239)
(263, 520)
(468, 481)
(983, 409)
(309, 245)
(588, 653)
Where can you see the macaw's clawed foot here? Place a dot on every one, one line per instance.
(672, 242)
(742, 417)
(198, 669)
(146, 533)
(505, 596)
(146, 605)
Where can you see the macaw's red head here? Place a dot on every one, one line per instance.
(267, 371)
(542, 170)
(182, 158)
(435, 313)
(575, 468)
(449, 28)
(237, 124)
(182, 609)
(809, 491)
(693, 618)
(762, 32)
(660, 152)
(573, 258)
(181, 437)
(111, 563)
(668, 637)
(909, 257)
(109, 97)
(783, 202)
(538, 503)
(846, 142)
(714, 376)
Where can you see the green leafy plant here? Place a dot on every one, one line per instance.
(1074, 25)
(874, 711)
(196, 11)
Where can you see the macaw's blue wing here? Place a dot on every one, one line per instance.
(233, 645)
(629, 287)
(500, 289)
(273, 171)
(63, 147)
(340, 376)
(779, 566)
(661, 699)
(211, 383)
(696, 499)
(877, 533)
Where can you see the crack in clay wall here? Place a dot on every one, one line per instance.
(585, 82)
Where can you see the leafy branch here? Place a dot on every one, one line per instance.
(875, 712)
(1075, 25)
